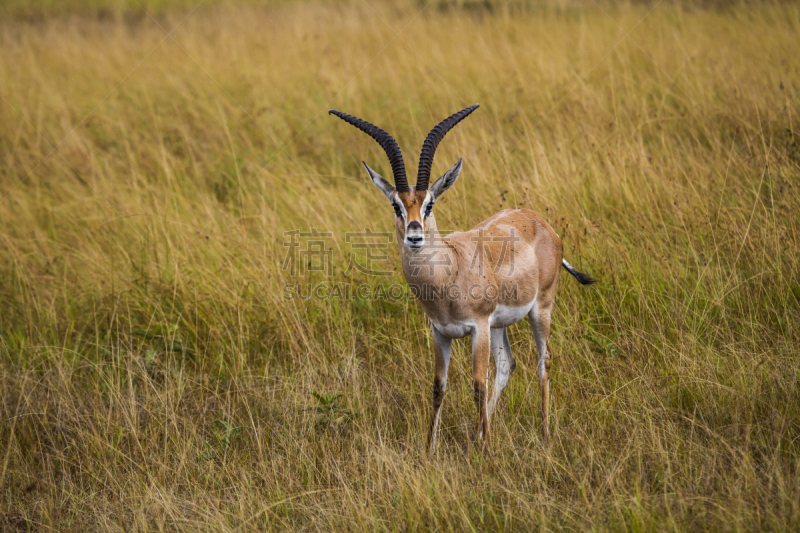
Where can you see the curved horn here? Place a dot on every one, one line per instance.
(388, 144)
(432, 141)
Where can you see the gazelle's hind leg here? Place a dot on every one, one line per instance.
(539, 319)
(504, 364)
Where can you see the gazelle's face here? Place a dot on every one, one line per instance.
(413, 210)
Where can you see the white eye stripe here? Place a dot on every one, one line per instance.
(398, 206)
(427, 204)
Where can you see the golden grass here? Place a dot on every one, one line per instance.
(148, 178)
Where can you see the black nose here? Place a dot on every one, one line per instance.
(414, 238)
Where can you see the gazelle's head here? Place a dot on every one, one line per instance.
(413, 206)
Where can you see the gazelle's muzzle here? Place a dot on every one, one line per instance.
(415, 237)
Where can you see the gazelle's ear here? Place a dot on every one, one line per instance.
(385, 187)
(446, 181)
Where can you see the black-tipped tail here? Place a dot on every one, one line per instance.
(584, 279)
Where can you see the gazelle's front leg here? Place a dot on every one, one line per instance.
(480, 366)
(441, 349)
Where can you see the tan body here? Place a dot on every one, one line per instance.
(475, 283)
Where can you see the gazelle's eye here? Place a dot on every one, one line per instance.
(397, 211)
(428, 209)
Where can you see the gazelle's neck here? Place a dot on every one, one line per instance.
(433, 264)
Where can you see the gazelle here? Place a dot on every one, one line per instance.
(474, 283)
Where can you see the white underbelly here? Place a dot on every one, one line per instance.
(458, 330)
(502, 317)
(506, 315)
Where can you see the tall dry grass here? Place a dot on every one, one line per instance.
(154, 377)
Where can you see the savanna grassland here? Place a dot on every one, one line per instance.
(154, 375)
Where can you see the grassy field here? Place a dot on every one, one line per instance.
(155, 376)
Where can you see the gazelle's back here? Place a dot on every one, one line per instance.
(517, 244)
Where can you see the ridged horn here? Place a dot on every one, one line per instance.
(432, 141)
(388, 144)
